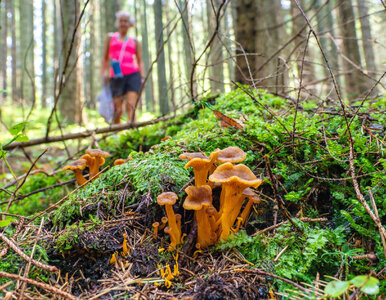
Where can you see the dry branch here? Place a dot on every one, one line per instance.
(41, 285)
(15, 248)
(87, 133)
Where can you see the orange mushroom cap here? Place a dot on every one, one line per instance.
(119, 161)
(190, 156)
(97, 152)
(77, 167)
(167, 198)
(229, 173)
(232, 155)
(198, 197)
(79, 164)
(89, 159)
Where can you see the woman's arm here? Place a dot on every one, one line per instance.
(138, 54)
(105, 59)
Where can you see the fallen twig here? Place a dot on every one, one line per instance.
(36, 263)
(41, 285)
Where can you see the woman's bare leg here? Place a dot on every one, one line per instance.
(118, 109)
(131, 99)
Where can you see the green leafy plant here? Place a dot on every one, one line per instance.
(367, 284)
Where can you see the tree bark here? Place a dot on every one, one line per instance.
(246, 24)
(170, 57)
(188, 44)
(367, 40)
(355, 82)
(149, 91)
(161, 70)
(228, 44)
(216, 70)
(15, 93)
(26, 51)
(44, 54)
(70, 102)
(308, 74)
(4, 53)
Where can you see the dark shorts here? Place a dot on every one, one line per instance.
(127, 83)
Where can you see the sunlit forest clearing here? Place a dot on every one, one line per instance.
(192, 149)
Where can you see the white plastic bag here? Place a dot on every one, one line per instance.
(106, 105)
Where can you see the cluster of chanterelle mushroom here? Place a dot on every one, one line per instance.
(236, 182)
(93, 159)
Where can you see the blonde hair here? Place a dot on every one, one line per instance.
(124, 14)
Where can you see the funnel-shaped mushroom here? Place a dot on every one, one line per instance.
(169, 199)
(199, 199)
(99, 156)
(119, 161)
(252, 198)
(189, 156)
(77, 167)
(232, 155)
(201, 167)
(234, 180)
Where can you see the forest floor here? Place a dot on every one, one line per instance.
(310, 236)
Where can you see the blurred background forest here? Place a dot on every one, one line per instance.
(51, 52)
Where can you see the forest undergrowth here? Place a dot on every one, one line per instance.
(309, 229)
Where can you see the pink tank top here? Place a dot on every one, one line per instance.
(129, 63)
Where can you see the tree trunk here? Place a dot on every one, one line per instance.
(70, 102)
(355, 82)
(149, 92)
(91, 58)
(161, 70)
(188, 44)
(273, 76)
(26, 58)
(57, 44)
(326, 28)
(367, 40)
(216, 70)
(228, 45)
(15, 94)
(308, 74)
(170, 57)
(246, 24)
(44, 54)
(4, 52)
(110, 8)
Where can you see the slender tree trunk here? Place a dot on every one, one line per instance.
(246, 24)
(57, 20)
(15, 94)
(355, 82)
(367, 40)
(170, 57)
(91, 62)
(26, 36)
(149, 92)
(308, 74)
(4, 53)
(326, 27)
(110, 8)
(161, 70)
(44, 54)
(71, 98)
(188, 44)
(228, 44)
(216, 70)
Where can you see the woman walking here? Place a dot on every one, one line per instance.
(123, 54)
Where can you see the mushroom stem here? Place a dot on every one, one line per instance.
(79, 177)
(125, 250)
(203, 224)
(178, 220)
(173, 241)
(175, 231)
(164, 221)
(238, 223)
(231, 206)
(246, 211)
(200, 176)
(155, 233)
